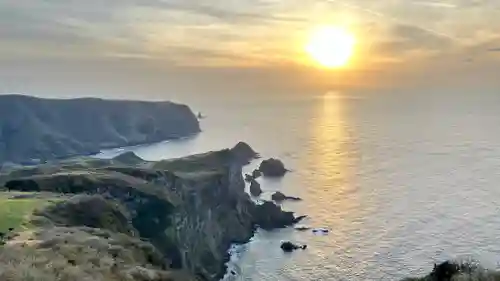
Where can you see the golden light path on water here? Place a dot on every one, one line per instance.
(330, 197)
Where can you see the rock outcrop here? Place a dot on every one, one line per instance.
(34, 129)
(243, 153)
(279, 197)
(272, 168)
(270, 216)
(249, 178)
(189, 209)
(256, 174)
(253, 176)
(255, 189)
(458, 270)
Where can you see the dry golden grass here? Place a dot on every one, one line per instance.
(69, 254)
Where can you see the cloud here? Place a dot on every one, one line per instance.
(434, 4)
(117, 24)
(404, 40)
(419, 36)
(228, 15)
(200, 31)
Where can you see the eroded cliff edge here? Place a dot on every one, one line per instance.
(186, 212)
(35, 128)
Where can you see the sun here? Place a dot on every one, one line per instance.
(331, 46)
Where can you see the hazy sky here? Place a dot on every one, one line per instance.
(260, 40)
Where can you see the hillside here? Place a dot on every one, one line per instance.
(34, 128)
(106, 220)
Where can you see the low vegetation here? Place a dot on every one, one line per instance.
(62, 253)
(88, 210)
(459, 271)
(207, 162)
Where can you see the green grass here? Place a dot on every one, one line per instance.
(16, 213)
(214, 161)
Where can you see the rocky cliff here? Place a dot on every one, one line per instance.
(190, 209)
(34, 128)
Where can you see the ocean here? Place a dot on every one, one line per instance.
(400, 180)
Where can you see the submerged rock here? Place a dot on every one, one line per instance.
(255, 189)
(272, 168)
(279, 196)
(302, 228)
(320, 231)
(288, 246)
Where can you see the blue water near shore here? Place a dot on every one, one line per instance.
(401, 181)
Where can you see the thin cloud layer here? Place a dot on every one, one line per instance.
(202, 32)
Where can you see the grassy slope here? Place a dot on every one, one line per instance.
(76, 252)
(16, 212)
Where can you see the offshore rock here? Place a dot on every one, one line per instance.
(288, 247)
(272, 168)
(270, 216)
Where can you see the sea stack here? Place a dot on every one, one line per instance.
(273, 168)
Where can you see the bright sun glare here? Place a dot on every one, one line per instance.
(331, 46)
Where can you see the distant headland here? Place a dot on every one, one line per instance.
(35, 129)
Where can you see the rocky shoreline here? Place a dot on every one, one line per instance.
(189, 210)
(129, 219)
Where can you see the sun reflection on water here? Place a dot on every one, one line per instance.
(331, 198)
(331, 156)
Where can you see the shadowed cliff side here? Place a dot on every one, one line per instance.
(189, 209)
(35, 128)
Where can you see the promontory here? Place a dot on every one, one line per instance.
(35, 129)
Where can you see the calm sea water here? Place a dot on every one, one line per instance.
(401, 181)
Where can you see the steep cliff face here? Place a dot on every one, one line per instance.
(34, 128)
(219, 210)
(191, 209)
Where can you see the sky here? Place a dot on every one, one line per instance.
(169, 44)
